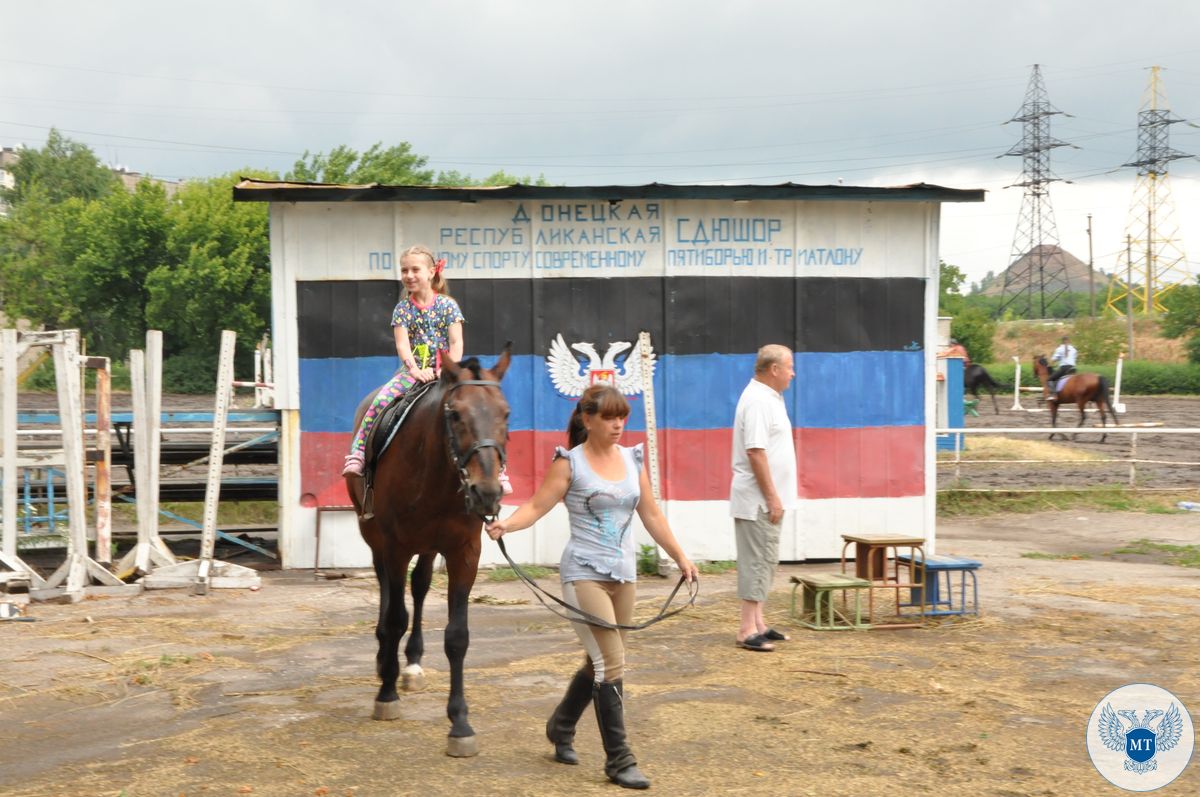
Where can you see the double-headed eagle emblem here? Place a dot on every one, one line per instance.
(573, 371)
(1138, 742)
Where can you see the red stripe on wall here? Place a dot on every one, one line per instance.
(879, 462)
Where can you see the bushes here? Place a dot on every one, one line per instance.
(1099, 340)
(973, 329)
(1140, 378)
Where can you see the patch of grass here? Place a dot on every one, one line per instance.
(647, 560)
(501, 574)
(994, 447)
(229, 513)
(964, 503)
(1182, 555)
(717, 566)
(1041, 555)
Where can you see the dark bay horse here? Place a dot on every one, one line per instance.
(975, 376)
(1080, 389)
(431, 486)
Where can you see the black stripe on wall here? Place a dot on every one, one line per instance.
(685, 315)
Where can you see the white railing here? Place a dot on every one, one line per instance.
(1132, 459)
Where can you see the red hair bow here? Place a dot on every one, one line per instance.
(438, 266)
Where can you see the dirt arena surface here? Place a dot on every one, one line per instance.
(270, 692)
(1171, 411)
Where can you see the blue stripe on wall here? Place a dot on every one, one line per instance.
(697, 391)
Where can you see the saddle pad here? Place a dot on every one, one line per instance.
(1063, 383)
(389, 423)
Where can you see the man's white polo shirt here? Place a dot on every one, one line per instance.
(761, 421)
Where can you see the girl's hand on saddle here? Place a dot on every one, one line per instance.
(423, 374)
(496, 529)
(687, 569)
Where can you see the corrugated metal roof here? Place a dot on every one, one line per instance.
(272, 191)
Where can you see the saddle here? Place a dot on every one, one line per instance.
(381, 436)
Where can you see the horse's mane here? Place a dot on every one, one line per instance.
(472, 364)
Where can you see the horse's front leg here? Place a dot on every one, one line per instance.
(1053, 416)
(393, 621)
(412, 679)
(462, 566)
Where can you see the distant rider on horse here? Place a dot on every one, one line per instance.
(1064, 356)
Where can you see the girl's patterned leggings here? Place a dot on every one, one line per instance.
(400, 384)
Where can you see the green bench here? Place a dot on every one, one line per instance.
(817, 610)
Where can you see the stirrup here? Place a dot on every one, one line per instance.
(368, 504)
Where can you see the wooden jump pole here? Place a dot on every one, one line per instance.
(11, 566)
(149, 551)
(204, 573)
(78, 569)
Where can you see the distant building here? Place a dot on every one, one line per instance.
(8, 156)
(130, 180)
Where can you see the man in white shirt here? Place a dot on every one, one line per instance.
(1065, 356)
(762, 489)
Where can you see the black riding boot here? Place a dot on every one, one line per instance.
(560, 728)
(620, 766)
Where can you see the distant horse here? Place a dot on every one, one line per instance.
(431, 487)
(976, 376)
(1080, 389)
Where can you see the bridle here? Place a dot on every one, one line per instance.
(459, 459)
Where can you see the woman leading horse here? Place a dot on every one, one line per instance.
(432, 486)
(1079, 388)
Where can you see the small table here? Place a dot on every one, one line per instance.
(817, 611)
(935, 566)
(870, 563)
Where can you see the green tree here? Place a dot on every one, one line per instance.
(63, 169)
(217, 275)
(950, 281)
(39, 241)
(126, 239)
(974, 329)
(501, 177)
(1182, 319)
(396, 165)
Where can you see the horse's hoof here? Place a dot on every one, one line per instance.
(462, 746)
(387, 711)
(412, 679)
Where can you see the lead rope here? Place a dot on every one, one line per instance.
(590, 619)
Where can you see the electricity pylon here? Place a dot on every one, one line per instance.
(1037, 273)
(1153, 263)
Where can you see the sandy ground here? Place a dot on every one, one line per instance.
(1171, 411)
(270, 692)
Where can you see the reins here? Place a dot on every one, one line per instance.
(590, 619)
(459, 460)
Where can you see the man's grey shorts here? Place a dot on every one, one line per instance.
(757, 556)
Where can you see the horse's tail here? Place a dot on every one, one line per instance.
(1102, 393)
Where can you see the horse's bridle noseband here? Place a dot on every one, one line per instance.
(460, 459)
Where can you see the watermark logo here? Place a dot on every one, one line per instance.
(1140, 737)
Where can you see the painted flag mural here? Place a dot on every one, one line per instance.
(857, 403)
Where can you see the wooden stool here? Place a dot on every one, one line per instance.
(871, 554)
(817, 611)
(935, 566)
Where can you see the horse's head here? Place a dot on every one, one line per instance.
(476, 422)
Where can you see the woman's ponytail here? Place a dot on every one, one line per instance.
(576, 431)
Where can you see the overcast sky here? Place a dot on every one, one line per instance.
(869, 92)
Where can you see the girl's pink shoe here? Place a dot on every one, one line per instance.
(505, 484)
(355, 462)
